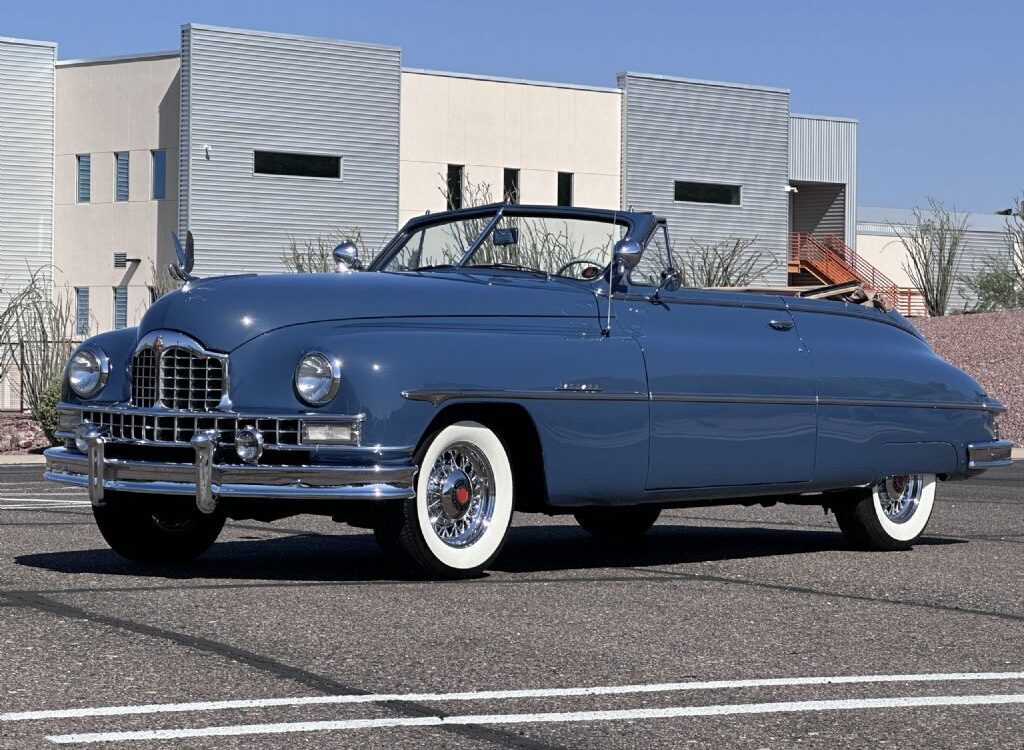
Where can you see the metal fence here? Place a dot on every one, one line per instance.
(12, 387)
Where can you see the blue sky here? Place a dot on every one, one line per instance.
(936, 86)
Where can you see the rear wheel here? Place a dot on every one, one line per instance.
(147, 531)
(617, 523)
(892, 515)
(458, 521)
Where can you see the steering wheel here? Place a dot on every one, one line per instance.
(578, 262)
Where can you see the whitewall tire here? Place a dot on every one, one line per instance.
(892, 515)
(459, 519)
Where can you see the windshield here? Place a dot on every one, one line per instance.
(573, 247)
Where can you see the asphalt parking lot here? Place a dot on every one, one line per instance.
(721, 628)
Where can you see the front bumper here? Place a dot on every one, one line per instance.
(209, 482)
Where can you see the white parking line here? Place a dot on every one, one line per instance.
(633, 714)
(485, 695)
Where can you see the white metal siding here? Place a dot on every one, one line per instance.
(819, 209)
(676, 129)
(824, 149)
(26, 160)
(243, 91)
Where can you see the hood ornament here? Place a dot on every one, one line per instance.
(182, 270)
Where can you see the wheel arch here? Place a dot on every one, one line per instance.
(517, 431)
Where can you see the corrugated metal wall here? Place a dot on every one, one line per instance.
(981, 246)
(819, 209)
(675, 129)
(243, 91)
(26, 159)
(824, 149)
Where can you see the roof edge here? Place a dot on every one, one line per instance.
(504, 79)
(298, 37)
(827, 118)
(704, 82)
(120, 58)
(28, 42)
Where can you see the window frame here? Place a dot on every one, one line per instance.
(459, 169)
(738, 188)
(287, 152)
(82, 322)
(127, 176)
(516, 190)
(114, 324)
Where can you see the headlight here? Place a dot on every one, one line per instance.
(87, 372)
(317, 379)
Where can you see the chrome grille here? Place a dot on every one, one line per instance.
(144, 384)
(172, 371)
(178, 429)
(190, 382)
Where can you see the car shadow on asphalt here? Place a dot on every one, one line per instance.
(529, 549)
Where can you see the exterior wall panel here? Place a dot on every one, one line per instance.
(675, 129)
(244, 91)
(26, 160)
(824, 149)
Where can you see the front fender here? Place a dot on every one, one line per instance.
(119, 346)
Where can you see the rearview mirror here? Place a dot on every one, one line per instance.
(671, 280)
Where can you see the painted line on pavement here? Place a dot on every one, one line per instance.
(485, 695)
(634, 714)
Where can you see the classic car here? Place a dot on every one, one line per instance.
(508, 358)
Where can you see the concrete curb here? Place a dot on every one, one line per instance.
(16, 459)
(1017, 453)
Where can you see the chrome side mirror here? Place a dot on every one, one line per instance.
(346, 257)
(626, 254)
(671, 280)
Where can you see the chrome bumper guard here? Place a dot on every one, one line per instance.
(989, 455)
(209, 482)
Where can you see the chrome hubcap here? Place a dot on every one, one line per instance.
(460, 495)
(900, 495)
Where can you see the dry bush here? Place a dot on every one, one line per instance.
(316, 254)
(934, 244)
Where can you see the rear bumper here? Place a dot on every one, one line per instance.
(989, 455)
(208, 482)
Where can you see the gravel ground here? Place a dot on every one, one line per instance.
(20, 433)
(990, 346)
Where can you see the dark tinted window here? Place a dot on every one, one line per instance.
(455, 186)
(159, 174)
(511, 191)
(296, 165)
(565, 188)
(707, 192)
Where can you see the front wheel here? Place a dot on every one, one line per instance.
(891, 515)
(458, 521)
(145, 531)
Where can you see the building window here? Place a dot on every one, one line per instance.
(455, 177)
(159, 174)
(82, 311)
(707, 192)
(565, 180)
(511, 189)
(84, 174)
(296, 165)
(121, 176)
(120, 307)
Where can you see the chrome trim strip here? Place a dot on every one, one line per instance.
(984, 406)
(438, 397)
(989, 455)
(129, 409)
(229, 480)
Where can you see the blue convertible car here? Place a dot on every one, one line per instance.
(504, 358)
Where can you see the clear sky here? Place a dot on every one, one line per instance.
(936, 86)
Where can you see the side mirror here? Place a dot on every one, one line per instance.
(671, 280)
(626, 254)
(346, 257)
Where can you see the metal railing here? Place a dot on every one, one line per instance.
(831, 260)
(12, 386)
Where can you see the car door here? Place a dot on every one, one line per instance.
(732, 391)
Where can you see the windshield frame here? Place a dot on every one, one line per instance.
(638, 225)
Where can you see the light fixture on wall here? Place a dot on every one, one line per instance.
(207, 149)
(791, 189)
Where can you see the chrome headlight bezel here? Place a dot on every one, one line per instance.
(326, 369)
(95, 365)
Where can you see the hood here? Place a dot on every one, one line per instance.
(223, 313)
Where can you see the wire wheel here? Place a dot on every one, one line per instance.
(460, 495)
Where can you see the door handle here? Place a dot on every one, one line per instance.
(780, 325)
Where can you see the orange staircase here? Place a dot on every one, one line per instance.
(830, 261)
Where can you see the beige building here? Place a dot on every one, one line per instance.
(114, 212)
(525, 138)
